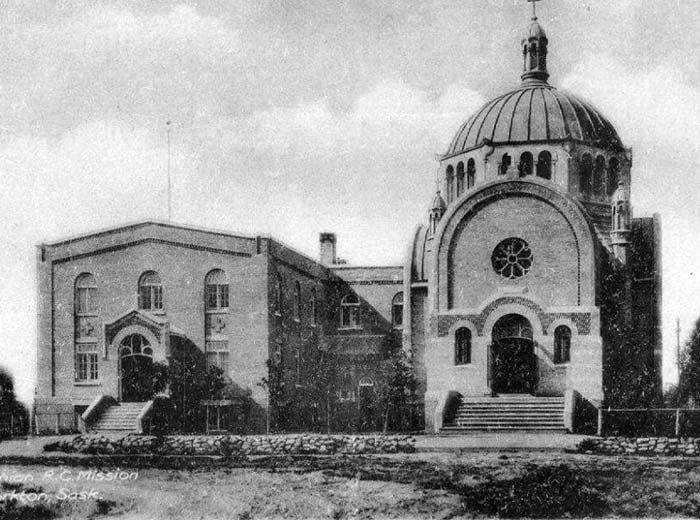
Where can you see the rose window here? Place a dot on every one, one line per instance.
(512, 258)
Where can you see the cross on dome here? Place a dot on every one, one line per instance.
(534, 11)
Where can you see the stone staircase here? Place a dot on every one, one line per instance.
(119, 417)
(507, 413)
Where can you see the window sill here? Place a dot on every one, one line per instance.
(350, 328)
(156, 312)
(464, 365)
(87, 383)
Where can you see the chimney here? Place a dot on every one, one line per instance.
(327, 248)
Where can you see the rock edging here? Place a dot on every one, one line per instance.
(689, 447)
(235, 445)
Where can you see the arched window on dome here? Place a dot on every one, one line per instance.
(463, 346)
(544, 165)
(471, 173)
(449, 182)
(562, 344)
(505, 164)
(533, 55)
(585, 174)
(525, 166)
(598, 173)
(613, 175)
(460, 178)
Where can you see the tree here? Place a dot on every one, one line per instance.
(395, 385)
(189, 381)
(689, 379)
(10, 405)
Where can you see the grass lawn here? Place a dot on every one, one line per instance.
(424, 485)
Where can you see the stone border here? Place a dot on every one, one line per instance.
(234, 445)
(689, 447)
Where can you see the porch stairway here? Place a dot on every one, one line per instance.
(507, 413)
(118, 418)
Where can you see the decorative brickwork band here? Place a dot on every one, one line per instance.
(582, 320)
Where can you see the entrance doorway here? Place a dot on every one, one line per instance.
(513, 361)
(137, 370)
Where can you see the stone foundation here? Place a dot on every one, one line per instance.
(641, 446)
(235, 445)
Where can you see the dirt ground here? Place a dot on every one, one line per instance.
(423, 485)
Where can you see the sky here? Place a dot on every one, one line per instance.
(294, 117)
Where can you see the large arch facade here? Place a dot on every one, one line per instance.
(557, 286)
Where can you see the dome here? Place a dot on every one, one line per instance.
(536, 30)
(535, 112)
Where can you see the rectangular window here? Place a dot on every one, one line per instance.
(211, 297)
(86, 367)
(145, 297)
(157, 297)
(218, 355)
(223, 296)
(217, 296)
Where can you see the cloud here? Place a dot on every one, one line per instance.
(108, 62)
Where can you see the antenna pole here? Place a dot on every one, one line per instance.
(678, 344)
(170, 194)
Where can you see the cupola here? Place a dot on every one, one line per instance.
(437, 210)
(621, 216)
(534, 47)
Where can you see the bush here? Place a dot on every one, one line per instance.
(546, 492)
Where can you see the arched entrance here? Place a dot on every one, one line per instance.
(513, 361)
(137, 370)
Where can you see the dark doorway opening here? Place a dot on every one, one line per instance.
(513, 361)
(137, 370)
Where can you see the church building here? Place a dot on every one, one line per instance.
(509, 303)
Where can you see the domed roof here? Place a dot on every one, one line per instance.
(535, 112)
(536, 30)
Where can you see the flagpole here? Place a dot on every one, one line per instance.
(170, 196)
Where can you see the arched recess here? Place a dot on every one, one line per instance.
(460, 214)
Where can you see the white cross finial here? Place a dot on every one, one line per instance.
(534, 11)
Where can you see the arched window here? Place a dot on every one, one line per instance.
(525, 166)
(621, 223)
(135, 345)
(505, 164)
(598, 172)
(150, 291)
(297, 301)
(312, 308)
(613, 175)
(463, 346)
(449, 181)
(460, 178)
(278, 294)
(471, 173)
(397, 310)
(562, 344)
(350, 312)
(216, 290)
(585, 174)
(533, 55)
(544, 165)
(86, 327)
